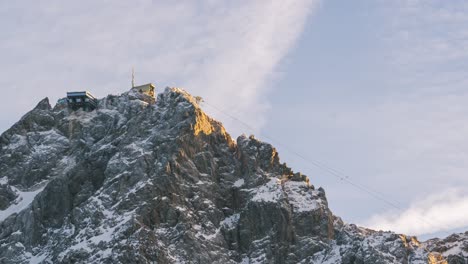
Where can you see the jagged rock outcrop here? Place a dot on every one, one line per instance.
(453, 249)
(145, 181)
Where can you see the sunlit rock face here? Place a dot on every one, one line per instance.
(141, 180)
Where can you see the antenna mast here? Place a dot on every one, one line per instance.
(133, 77)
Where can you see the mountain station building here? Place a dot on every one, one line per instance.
(84, 100)
(146, 89)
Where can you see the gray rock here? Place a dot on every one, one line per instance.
(141, 180)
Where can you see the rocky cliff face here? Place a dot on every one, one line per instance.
(139, 181)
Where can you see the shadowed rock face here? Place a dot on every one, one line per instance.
(139, 181)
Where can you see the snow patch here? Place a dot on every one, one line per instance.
(269, 192)
(16, 141)
(457, 247)
(332, 256)
(4, 180)
(23, 200)
(245, 260)
(231, 221)
(40, 257)
(36, 259)
(239, 183)
(301, 197)
(106, 235)
(259, 259)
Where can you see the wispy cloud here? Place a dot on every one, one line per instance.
(441, 211)
(244, 60)
(226, 52)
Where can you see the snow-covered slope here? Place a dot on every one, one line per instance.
(145, 181)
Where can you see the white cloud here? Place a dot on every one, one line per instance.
(441, 211)
(244, 62)
(226, 52)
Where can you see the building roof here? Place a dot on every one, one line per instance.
(83, 93)
(148, 85)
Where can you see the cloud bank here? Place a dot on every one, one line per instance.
(441, 211)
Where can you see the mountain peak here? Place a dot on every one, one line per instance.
(43, 104)
(146, 180)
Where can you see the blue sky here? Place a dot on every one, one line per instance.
(375, 89)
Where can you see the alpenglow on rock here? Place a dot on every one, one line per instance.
(140, 180)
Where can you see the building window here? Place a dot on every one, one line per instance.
(86, 100)
(78, 100)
